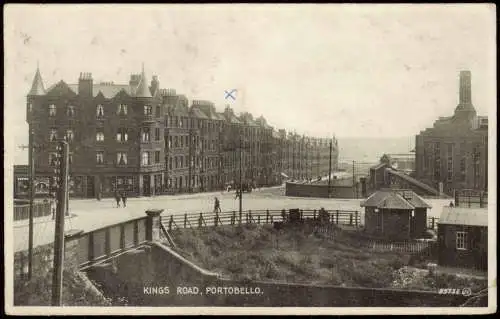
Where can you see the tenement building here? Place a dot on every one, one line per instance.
(148, 140)
(452, 155)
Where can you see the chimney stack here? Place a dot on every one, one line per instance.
(85, 84)
(465, 88)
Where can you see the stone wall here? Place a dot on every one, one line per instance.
(321, 191)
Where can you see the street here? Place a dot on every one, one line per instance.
(90, 214)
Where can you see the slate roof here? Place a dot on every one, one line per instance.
(464, 216)
(37, 85)
(198, 113)
(108, 90)
(395, 199)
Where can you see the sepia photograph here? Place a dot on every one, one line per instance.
(250, 159)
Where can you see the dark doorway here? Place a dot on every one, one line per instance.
(146, 185)
(91, 187)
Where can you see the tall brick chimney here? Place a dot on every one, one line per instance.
(465, 111)
(85, 84)
(465, 87)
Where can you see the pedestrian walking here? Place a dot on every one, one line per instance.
(217, 206)
(124, 198)
(117, 198)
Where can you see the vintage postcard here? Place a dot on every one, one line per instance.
(250, 159)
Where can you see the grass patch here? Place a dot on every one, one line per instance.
(259, 252)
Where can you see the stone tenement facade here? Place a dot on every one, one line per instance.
(454, 152)
(149, 140)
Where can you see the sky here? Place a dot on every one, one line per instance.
(366, 71)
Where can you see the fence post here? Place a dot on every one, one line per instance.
(249, 217)
(170, 222)
(481, 199)
(216, 219)
(350, 219)
(271, 219)
(185, 220)
(240, 217)
(356, 219)
(337, 217)
(233, 218)
(314, 215)
(258, 219)
(301, 214)
(432, 223)
(267, 216)
(200, 220)
(283, 215)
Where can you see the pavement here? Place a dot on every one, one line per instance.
(90, 214)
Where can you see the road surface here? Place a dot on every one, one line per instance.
(90, 214)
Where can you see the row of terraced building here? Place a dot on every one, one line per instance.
(150, 140)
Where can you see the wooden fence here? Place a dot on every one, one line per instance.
(404, 247)
(198, 220)
(39, 210)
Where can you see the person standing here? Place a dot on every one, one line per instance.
(117, 198)
(217, 205)
(124, 198)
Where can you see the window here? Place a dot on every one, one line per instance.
(69, 135)
(100, 111)
(450, 168)
(52, 159)
(70, 158)
(157, 134)
(170, 163)
(30, 107)
(180, 122)
(148, 110)
(121, 158)
(99, 156)
(462, 169)
(461, 240)
(145, 158)
(99, 136)
(122, 109)
(176, 162)
(170, 142)
(52, 110)
(176, 141)
(71, 111)
(146, 135)
(122, 135)
(158, 111)
(53, 134)
(157, 156)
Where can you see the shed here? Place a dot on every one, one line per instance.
(463, 237)
(395, 214)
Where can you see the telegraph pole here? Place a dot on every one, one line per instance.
(241, 177)
(31, 173)
(330, 170)
(62, 195)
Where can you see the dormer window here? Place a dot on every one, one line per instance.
(122, 109)
(100, 111)
(71, 111)
(52, 110)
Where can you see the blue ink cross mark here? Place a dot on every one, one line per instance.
(230, 94)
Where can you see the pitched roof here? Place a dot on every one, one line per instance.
(143, 89)
(395, 199)
(37, 85)
(198, 113)
(108, 90)
(464, 216)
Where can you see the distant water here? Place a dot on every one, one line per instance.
(366, 149)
